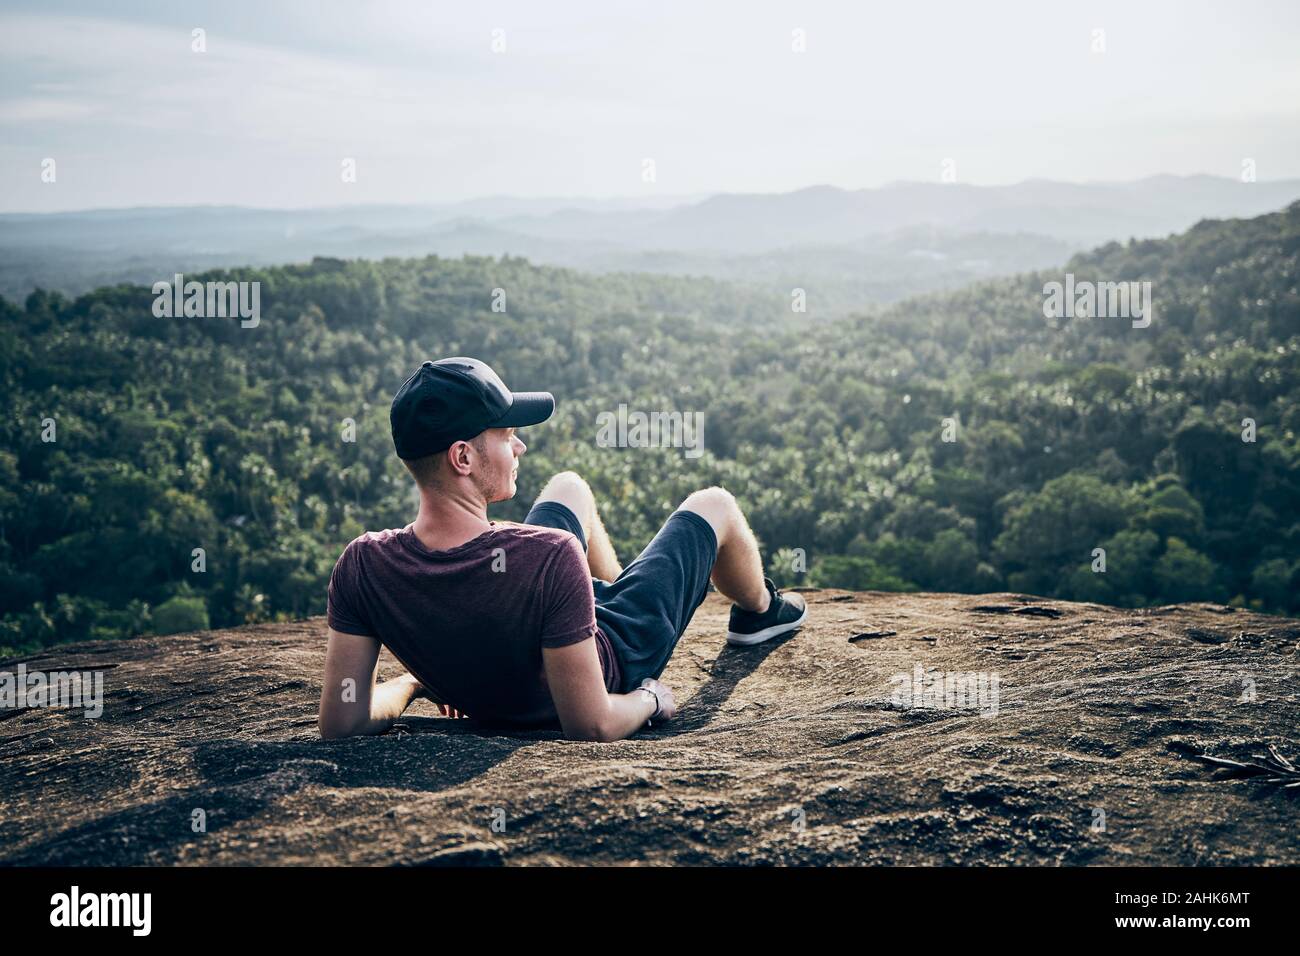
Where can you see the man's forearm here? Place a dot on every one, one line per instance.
(387, 703)
(390, 699)
(627, 714)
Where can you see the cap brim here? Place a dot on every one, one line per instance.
(527, 408)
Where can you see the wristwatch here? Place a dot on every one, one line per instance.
(656, 697)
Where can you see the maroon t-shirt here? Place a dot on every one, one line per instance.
(470, 622)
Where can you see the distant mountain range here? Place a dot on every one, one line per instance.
(849, 249)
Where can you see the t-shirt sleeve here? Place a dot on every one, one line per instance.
(342, 610)
(568, 602)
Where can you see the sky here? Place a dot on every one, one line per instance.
(575, 98)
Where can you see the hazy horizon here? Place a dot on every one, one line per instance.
(630, 200)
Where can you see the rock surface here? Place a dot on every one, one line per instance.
(802, 751)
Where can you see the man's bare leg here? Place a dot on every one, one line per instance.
(738, 571)
(569, 489)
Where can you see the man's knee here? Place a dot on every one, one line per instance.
(567, 481)
(569, 489)
(715, 505)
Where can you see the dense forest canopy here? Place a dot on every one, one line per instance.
(961, 441)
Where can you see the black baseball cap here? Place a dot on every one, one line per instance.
(455, 399)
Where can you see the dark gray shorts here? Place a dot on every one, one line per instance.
(645, 611)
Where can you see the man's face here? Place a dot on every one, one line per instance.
(500, 460)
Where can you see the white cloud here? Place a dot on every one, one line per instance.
(40, 110)
(585, 91)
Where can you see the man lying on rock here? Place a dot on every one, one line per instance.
(527, 625)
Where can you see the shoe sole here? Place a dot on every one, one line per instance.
(767, 633)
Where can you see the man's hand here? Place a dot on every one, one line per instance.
(667, 703)
(420, 691)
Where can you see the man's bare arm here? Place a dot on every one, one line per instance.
(587, 711)
(350, 703)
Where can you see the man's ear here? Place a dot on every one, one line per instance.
(458, 458)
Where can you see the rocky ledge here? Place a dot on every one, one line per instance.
(895, 728)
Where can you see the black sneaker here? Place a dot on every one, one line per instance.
(783, 615)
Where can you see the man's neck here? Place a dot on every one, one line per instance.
(449, 520)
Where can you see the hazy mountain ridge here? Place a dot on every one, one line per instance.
(855, 247)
